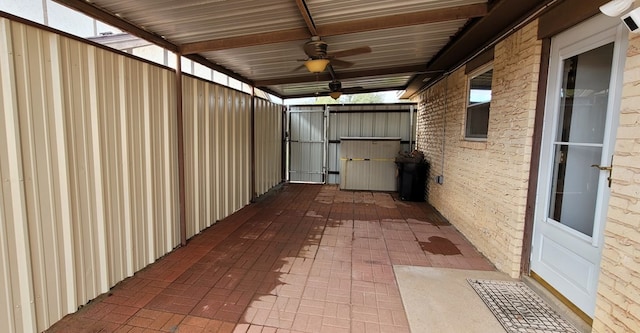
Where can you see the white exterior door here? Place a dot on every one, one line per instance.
(307, 141)
(581, 115)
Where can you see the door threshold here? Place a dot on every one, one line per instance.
(559, 303)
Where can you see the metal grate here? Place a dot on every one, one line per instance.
(518, 308)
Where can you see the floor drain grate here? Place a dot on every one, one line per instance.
(518, 308)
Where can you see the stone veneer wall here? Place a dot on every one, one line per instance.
(618, 303)
(485, 183)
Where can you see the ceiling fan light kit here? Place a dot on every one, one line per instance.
(316, 65)
(335, 94)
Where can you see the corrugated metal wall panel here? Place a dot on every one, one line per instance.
(217, 127)
(88, 162)
(17, 289)
(268, 145)
(368, 164)
(307, 143)
(390, 120)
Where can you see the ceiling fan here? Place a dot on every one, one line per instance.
(318, 56)
(336, 90)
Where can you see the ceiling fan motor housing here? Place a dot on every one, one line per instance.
(335, 86)
(316, 49)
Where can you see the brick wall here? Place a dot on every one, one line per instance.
(618, 303)
(485, 183)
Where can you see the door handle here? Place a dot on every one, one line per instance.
(604, 168)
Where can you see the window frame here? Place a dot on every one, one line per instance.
(467, 126)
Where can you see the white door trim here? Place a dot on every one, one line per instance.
(589, 35)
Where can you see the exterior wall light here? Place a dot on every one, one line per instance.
(615, 8)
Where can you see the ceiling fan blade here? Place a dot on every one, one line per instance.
(298, 68)
(341, 63)
(351, 90)
(349, 52)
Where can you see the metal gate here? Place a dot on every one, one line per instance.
(307, 144)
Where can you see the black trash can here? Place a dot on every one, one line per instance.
(412, 178)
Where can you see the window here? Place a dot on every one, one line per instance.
(478, 104)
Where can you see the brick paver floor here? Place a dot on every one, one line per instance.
(305, 258)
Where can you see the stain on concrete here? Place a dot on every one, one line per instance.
(440, 245)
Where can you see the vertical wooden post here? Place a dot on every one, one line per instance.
(181, 181)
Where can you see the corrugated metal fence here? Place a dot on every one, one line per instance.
(88, 164)
(216, 126)
(268, 145)
(388, 120)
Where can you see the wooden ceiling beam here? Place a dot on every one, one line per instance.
(343, 75)
(118, 22)
(385, 22)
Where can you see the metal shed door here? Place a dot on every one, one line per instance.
(307, 144)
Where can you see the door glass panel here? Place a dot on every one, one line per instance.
(581, 122)
(574, 193)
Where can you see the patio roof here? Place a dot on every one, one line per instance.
(261, 43)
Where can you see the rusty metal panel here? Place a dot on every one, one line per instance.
(267, 145)
(88, 152)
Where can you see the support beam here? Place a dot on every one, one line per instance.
(95, 12)
(343, 75)
(304, 11)
(363, 91)
(252, 143)
(180, 134)
(247, 40)
(498, 21)
(385, 22)
(404, 20)
(567, 14)
(532, 189)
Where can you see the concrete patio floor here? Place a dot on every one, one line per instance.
(304, 258)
